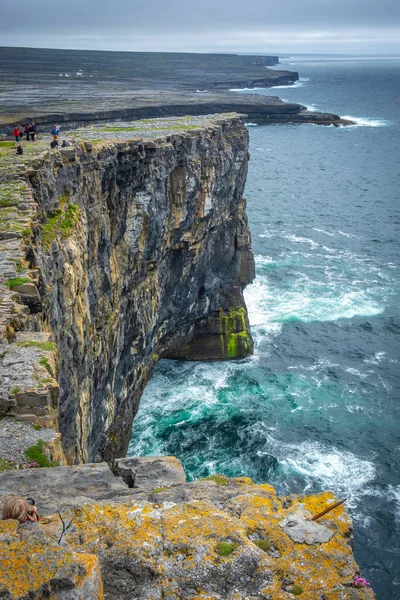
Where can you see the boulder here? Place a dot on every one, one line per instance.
(150, 472)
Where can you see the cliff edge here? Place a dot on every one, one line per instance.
(164, 538)
(126, 247)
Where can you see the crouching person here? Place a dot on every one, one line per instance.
(19, 509)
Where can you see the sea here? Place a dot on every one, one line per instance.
(318, 405)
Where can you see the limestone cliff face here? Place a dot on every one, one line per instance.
(143, 251)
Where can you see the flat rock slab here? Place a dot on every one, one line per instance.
(304, 531)
(150, 472)
(60, 488)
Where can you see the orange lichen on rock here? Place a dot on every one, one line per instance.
(32, 565)
(201, 541)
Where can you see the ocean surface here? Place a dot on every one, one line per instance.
(317, 406)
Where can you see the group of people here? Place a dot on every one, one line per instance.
(30, 130)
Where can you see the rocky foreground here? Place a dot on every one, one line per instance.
(164, 538)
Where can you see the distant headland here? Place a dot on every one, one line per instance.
(78, 87)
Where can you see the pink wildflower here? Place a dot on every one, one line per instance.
(360, 582)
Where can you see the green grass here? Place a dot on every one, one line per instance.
(45, 363)
(36, 454)
(6, 202)
(263, 545)
(226, 548)
(159, 490)
(18, 265)
(61, 224)
(16, 390)
(218, 479)
(47, 346)
(17, 281)
(7, 144)
(6, 465)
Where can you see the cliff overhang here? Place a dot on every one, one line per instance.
(129, 246)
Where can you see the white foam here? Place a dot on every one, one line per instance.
(255, 296)
(303, 240)
(366, 122)
(376, 359)
(248, 89)
(393, 494)
(251, 124)
(337, 470)
(349, 235)
(356, 372)
(323, 231)
(321, 365)
(306, 300)
(297, 84)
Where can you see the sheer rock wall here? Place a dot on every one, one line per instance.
(142, 249)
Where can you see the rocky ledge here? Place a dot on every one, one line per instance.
(151, 104)
(128, 246)
(164, 538)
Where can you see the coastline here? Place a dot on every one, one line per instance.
(150, 85)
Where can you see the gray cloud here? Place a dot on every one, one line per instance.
(255, 25)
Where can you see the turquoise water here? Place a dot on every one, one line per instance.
(317, 406)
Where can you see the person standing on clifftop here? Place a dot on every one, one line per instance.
(27, 131)
(55, 132)
(33, 131)
(17, 134)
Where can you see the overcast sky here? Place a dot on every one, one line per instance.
(280, 26)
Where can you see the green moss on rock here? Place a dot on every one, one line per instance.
(296, 590)
(226, 548)
(46, 346)
(216, 478)
(16, 282)
(263, 545)
(235, 339)
(61, 224)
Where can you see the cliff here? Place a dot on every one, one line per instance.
(164, 538)
(118, 251)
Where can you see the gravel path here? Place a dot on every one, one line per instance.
(16, 437)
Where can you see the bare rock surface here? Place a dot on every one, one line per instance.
(150, 471)
(59, 488)
(304, 531)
